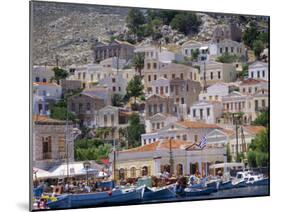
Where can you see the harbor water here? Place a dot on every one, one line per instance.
(230, 193)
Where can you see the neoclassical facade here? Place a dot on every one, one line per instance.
(50, 141)
(153, 159)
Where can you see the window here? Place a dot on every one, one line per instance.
(44, 93)
(194, 112)
(232, 49)
(149, 108)
(181, 76)
(157, 90)
(211, 75)
(219, 74)
(165, 76)
(184, 137)
(263, 73)
(221, 50)
(256, 105)
(226, 49)
(186, 87)
(44, 80)
(250, 90)
(79, 75)
(166, 89)
(154, 65)
(37, 79)
(263, 102)
(161, 108)
(256, 89)
(216, 97)
(155, 77)
(88, 106)
(119, 88)
(148, 65)
(113, 80)
(158, 125)
(149, 78)
(258, 74)
(155, 108)
(173, 76)
(252, 74)
(105, 120)
(244, 90)
(133, 171)
(182, 100)
(47, 147)
(113, 88)
(61, 144)
(201, 113)
(208, 111)
(195, 76)
(195, 138)
(153, 126)
(80, 107)
(92, 77)
(84, 75)
(112, 119)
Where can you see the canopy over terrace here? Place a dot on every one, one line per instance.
(75, 169)
(227, 166)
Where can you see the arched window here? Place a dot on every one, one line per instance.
(44, 80)
(122, 174)
(133, 172)
(179, 169)
(144, 171)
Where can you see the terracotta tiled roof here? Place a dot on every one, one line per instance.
(195, 124)
(228, 131)
(254, 129)
(250, 81)
(45, 84)
(164, 144)
(46, 119)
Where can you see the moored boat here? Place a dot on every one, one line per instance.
(158, 193)
(197, 192)
(95, 199)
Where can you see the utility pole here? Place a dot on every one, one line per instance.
(204, 77)
(171, 158)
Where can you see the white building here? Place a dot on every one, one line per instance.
(258, 70)
(217, 72)
(42, 73)
(251, 86)
(44, 95)
(206, 111)
(215, 92)
(116, 83)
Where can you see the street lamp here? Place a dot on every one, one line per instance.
(73, 135)
(87, 165)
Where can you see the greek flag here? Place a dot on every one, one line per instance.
(203, 142)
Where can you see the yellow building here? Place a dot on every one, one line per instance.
(155, 158)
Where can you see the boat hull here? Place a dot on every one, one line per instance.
(163, 193)
(198, 192)
(96, 199)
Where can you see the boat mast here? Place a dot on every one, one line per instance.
(171, 158)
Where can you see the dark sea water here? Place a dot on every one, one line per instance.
(231, 193)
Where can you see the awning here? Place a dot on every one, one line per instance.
(226, 165)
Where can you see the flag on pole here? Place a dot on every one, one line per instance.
(203, 142)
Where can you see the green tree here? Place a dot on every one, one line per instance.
(228, 153)
(134, 131)
(227, 58)
(59, 111)
(59, 74)
(117, 100)
(251, 156)
(258, 47)
(91, 149)
(264, 37)
(250, 34)
(138, 62)
(186, 22)
(262, 119)
(195, 54)
(135, 88)
(135, 20)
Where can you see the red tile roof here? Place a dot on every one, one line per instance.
(254, 129)
(164, 144)
(251, 81)
(194, 124)
(46, 119)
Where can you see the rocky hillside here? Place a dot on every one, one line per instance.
(67, 31)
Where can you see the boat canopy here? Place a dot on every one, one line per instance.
(227, 165)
